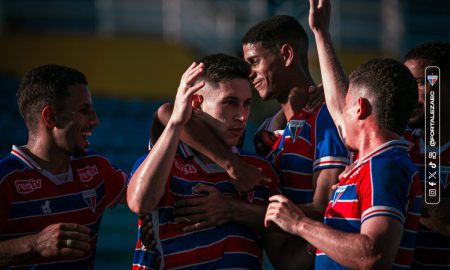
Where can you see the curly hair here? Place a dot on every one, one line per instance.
(278, 30)
(438, 53)
(393, 88)
(221, 67)
(45, 85)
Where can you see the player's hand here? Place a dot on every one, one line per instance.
(146, 232)
(319, 15)
(182, 110)
(316, 98)
(283, 213)
(214, 209)
(62, 239)
(246, 177)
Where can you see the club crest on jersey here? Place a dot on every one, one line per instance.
(295, 126)
(185, 168)
(27, 186)
(90, 197)
(338, 193)
(87, 173)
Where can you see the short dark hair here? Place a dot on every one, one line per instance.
(394, 90)
(278, 30)
(221, 67)
(45, 85)
(438, 53)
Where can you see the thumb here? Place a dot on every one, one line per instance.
(202, 188)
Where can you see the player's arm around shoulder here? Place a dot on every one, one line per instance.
(147, 185)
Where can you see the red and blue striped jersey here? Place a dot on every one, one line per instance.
(384, 183)
(432, 248)
(229, 246)
(310, 142)
(31, 199)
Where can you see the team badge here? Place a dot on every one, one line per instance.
(338, 193)
(27, 186)
(90, 197)
(295, 126)
(432, 79)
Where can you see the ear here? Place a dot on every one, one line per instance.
(287, 52)
(196, 102)
(48, 116)
(364, 108)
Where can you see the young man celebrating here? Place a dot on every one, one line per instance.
(218, 92)
(53, 194)
(372, 218)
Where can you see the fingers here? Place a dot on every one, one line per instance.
(197, 226)
(278, 198)
(190, 218)
(74, 227)
(185, 211)
(202, 188)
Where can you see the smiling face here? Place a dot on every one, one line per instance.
(75, 121)
(227, 108)
(267, 74)
(417, 69)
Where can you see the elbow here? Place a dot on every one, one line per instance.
(138, 205)
(376, 262)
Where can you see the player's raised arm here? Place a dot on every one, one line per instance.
(148, 182)
(335, 82)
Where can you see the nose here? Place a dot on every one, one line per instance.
(242, 113)
(94, 120)
(252, 74)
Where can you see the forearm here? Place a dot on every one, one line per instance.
(148, 182)
(209, 144)
(15, 251)
(334, 80)
(247, 214)
(287, 251)
(338, 245)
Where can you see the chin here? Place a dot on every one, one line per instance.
(416, 122)
(79, 152)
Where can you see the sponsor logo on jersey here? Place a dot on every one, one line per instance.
(46, 208)
(87, 173)
(90, 197)
(185, 168)
(27, 186)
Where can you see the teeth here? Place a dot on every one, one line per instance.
(86, 133)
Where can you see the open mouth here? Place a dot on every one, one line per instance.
(85, 136)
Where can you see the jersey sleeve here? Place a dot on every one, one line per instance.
(384, 190)
(115, 183)
(330, 151)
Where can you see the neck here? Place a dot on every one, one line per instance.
(297, 98)
(372, 138)
(47, 155)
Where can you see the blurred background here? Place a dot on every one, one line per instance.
(133, 53)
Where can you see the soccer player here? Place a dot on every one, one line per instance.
(372, 218)
(433, 239)
(217, 91)
(52, 193)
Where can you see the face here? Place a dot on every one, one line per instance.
(227, 108)
(417, 68)
(75, 123)
(266, 71)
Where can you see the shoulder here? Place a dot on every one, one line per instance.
(8, 165)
